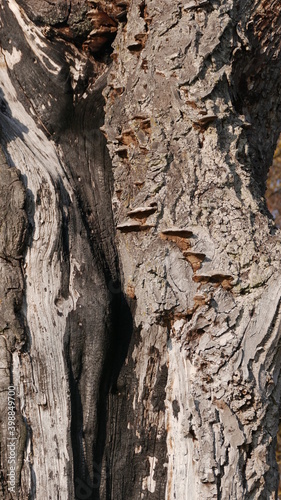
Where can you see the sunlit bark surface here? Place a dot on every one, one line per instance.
(273, 197)
(273, 193)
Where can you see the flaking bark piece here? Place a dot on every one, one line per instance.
(204, 120)
(100, 19)
(195, 5)
(199, 300)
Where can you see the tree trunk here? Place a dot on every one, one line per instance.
(140, 288)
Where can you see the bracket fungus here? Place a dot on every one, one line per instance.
(129, 227)
(122, 152)
(194, 258)
(137, 46)
(114, 10)
(145, 124)
(175, 231)
(104, 30)
(127, 137)
(179, 236)
(142, 213)
(217, 278)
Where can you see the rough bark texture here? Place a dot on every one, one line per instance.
(140, 290)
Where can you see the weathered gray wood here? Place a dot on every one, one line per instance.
(140, 291)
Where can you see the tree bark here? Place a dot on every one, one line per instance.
(140, 290)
